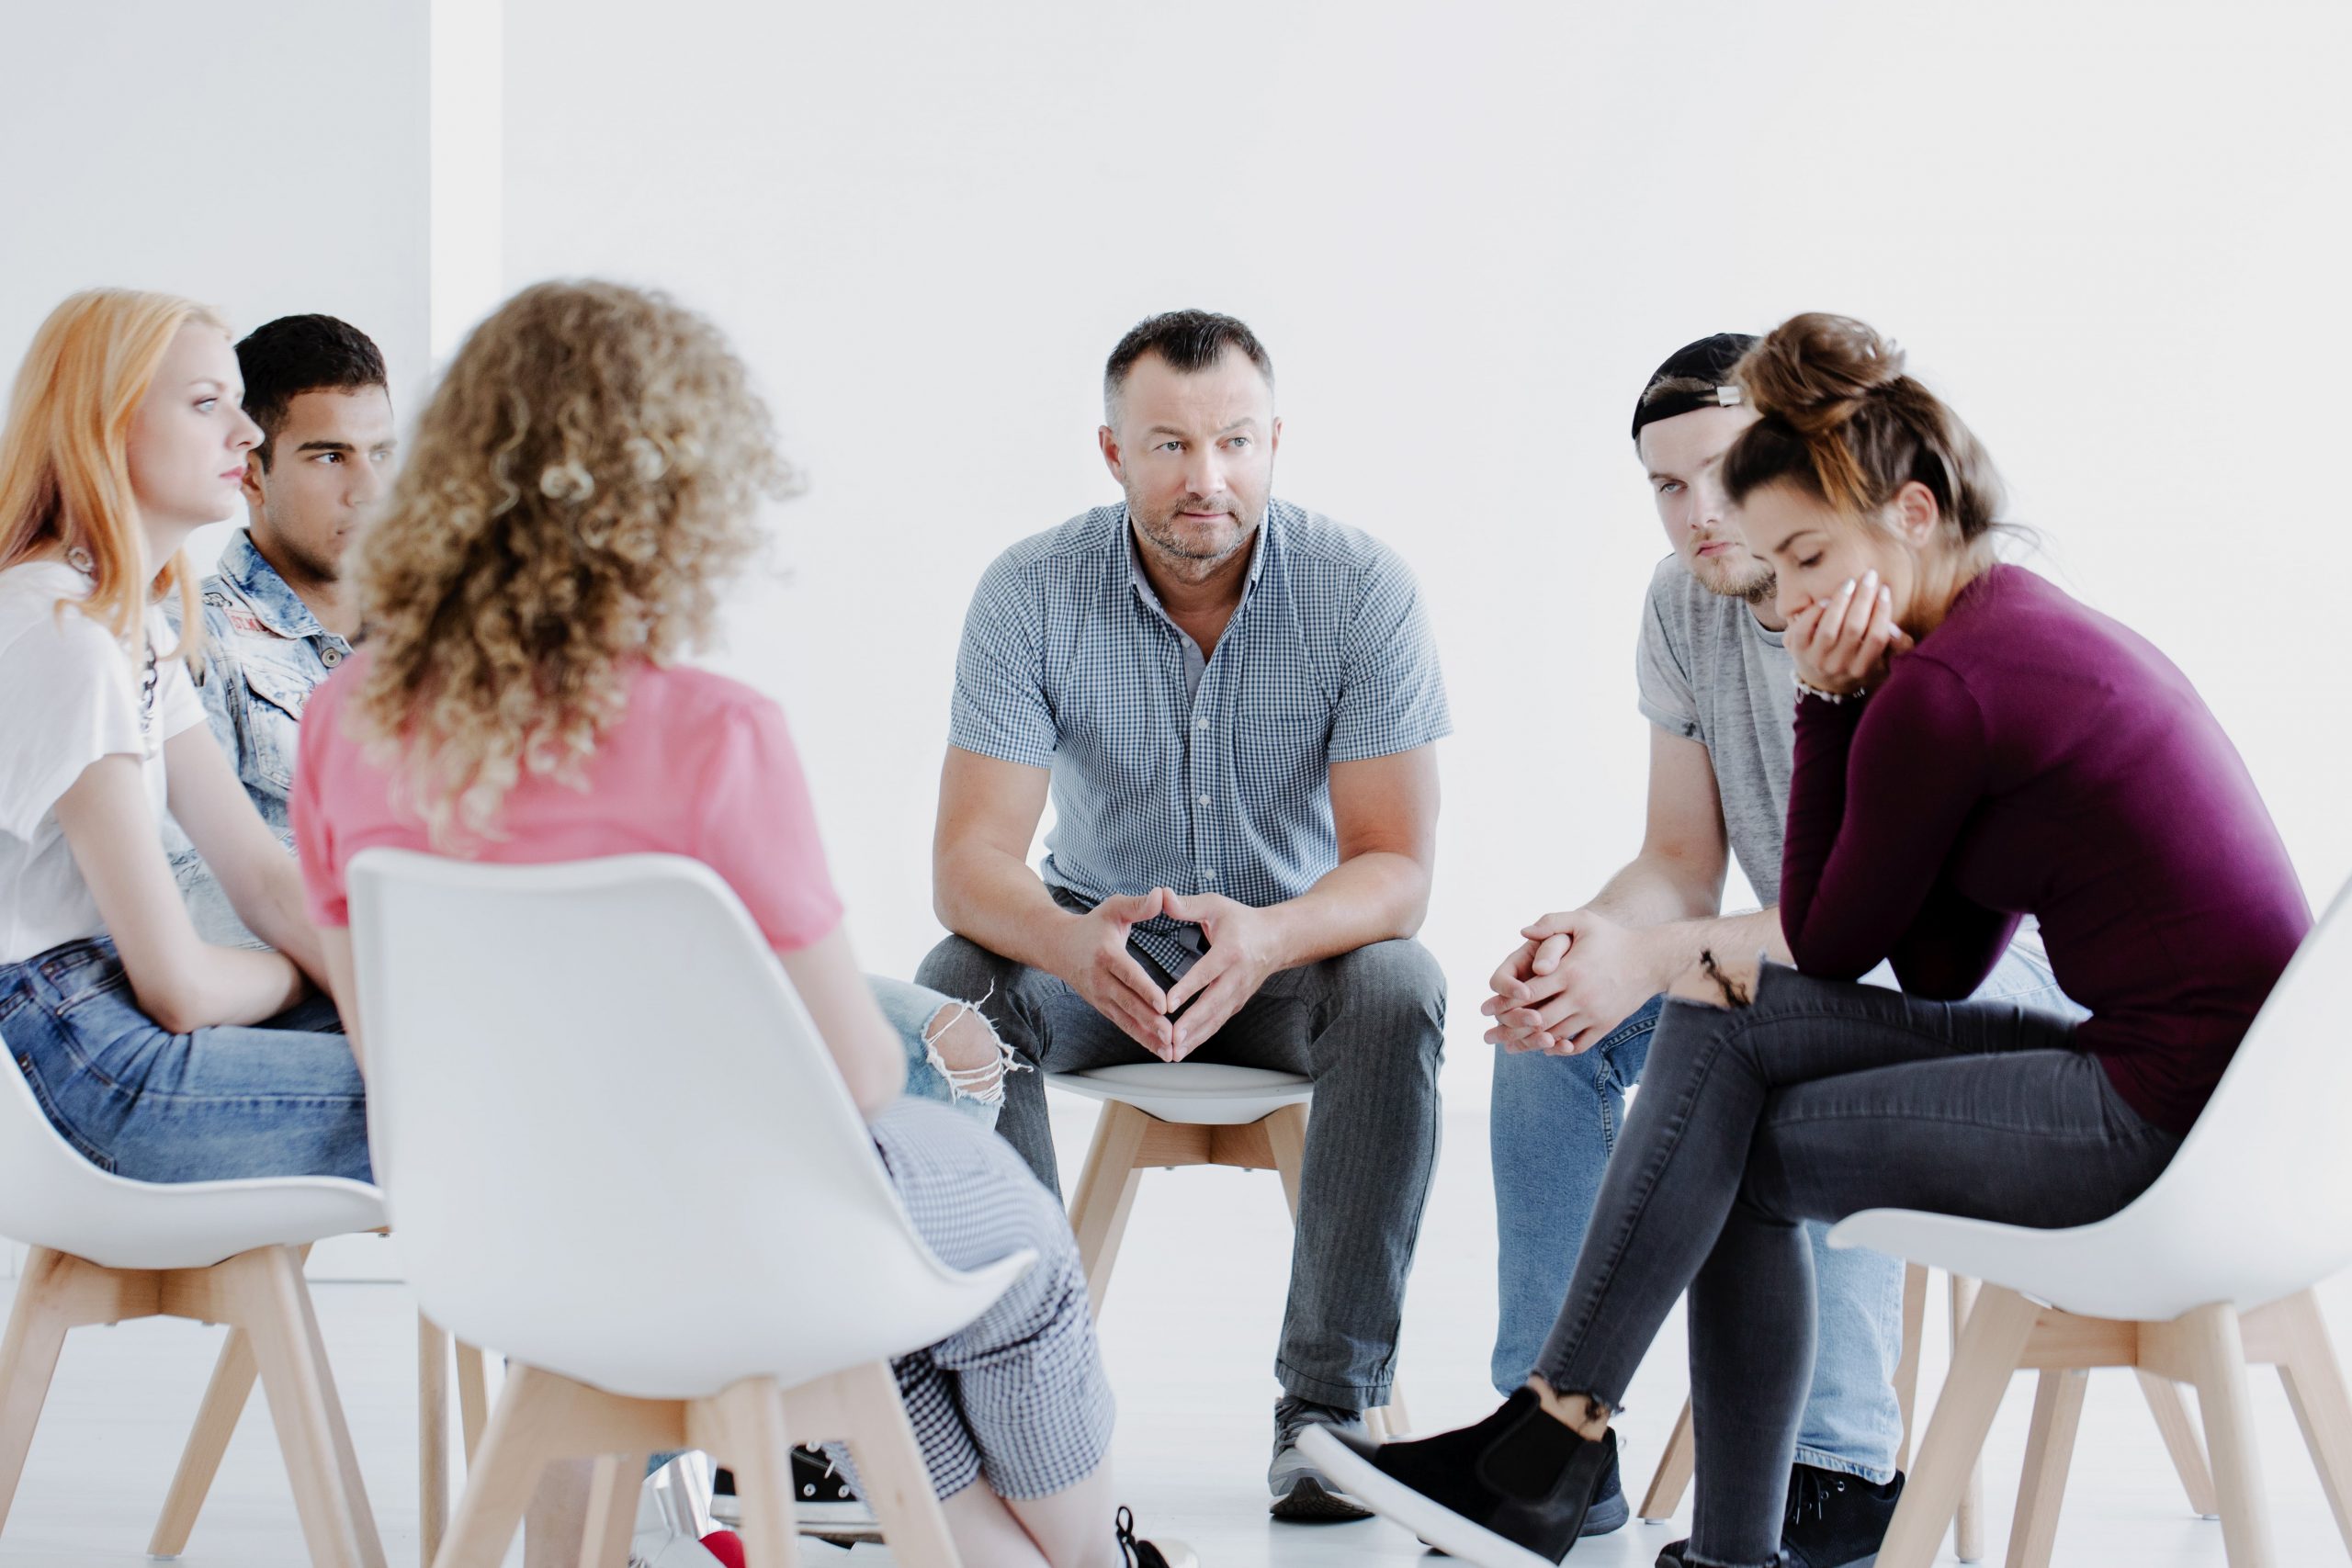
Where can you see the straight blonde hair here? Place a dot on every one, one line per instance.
(65, 452)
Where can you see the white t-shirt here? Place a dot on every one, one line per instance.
(69, 695)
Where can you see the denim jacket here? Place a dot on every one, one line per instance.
(265, 653)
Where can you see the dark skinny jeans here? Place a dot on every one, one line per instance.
(1814, 1102)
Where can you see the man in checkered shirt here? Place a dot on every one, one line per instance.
(1233, 703)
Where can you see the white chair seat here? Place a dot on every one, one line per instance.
(2137, 1264)
(51, 1197)
(1204, 1094)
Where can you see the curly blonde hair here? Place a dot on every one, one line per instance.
(585, 478)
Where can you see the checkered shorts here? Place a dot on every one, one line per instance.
(1018, 1394)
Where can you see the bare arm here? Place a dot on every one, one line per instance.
(872, 1058)
(1579, 972)
(983, 890)
(1385, 809)
(264, 885)
(180, 981)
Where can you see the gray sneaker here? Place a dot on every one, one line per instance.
(1301, 1493)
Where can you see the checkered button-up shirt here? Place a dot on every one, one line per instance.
(1171, 772)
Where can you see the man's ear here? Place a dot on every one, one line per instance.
(1914, 512)
(1108, 439)
(1274, 437)
(256, 483)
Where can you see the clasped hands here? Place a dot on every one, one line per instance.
(1577, 976)
(1101, 967)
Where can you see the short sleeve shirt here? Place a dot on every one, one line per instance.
(1214, 778)
(1709, 672)
(69, 695)
(697, 765)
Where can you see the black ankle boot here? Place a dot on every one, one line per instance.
(1511, 1492)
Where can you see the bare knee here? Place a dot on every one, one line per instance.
(968, 1052)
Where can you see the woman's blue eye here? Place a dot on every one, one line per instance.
(205, 405)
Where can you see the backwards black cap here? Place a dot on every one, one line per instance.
(1710, 360)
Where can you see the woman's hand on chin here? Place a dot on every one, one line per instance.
(1843, 644)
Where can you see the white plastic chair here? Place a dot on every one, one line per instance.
(1165, 1114)
(107, 1249)
(2209, 1268)
(616, 1149)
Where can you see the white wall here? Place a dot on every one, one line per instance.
(2112, 235)
(266, 162)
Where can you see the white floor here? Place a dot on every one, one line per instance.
(1189, 1332)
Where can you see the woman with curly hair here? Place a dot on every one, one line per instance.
(156, 1055)
(582, 485)
(1973, 745)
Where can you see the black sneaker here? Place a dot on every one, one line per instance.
(1834, 1520)
(1302, 1493)
(822, 1504)
(1134, 1554)
(1511, 1491)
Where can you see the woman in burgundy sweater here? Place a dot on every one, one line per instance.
(1973, 745)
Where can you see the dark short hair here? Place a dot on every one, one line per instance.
(1191, 341)
(282, 359)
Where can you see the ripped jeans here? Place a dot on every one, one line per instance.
(914, 1011)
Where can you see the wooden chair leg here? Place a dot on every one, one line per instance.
(891, 1468)
(2179, 1432)
(274, 1309)
(748, 1419)
(473, 1397)
(431, 1436)
(37, 1326)
(1968, 1523)
(1906, 1369)
(216, 1422)
(2315, 1389)
(1672, 1477)
(612, 1510)
(2049, 1450)
(2210, 1341)
(1105, 1193)
(1996, 1336)
(516, 1446)
(1286, 1132)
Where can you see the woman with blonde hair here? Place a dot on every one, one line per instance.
(157, 1056)
(580, 488)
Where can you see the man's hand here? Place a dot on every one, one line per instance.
(1095, 961)
(1241, 954)
(1577, 977)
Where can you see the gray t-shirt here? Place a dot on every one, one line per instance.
(1710, 672)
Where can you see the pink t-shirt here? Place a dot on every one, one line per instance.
(698, 765)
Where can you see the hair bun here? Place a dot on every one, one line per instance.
(1815, 369)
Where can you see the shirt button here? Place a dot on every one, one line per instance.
(1205, 800)
(1200, 724)
(330, 657)
(1208, 876)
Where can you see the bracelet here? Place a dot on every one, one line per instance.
(1805, 691)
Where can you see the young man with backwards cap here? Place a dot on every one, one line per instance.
(1575, 1003)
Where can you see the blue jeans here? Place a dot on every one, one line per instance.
(1553, 1123)
(280, 1098)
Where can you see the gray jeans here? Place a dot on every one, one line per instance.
(1814, 1102)
(1369, 1028)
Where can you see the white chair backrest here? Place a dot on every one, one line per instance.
(2262, 1186)
(613, 1144)
(51, 1197)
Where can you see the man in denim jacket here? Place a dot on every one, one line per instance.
(277, 614)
